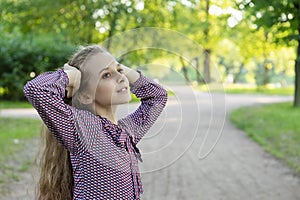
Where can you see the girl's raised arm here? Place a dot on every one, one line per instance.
(46, 93)
(153, 100)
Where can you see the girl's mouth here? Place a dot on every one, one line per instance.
(124, 89)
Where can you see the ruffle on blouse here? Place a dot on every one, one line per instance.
(121, 138)
(124, 140)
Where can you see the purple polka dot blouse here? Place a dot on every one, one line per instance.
(104, 156)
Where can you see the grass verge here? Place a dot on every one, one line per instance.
(13, 131)
(135, 99)
(14, 134)
(14, 104)
(261, 90)
(276, 127)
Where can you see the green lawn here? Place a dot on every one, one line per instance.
(13, 131)
(14, 104)
(276, 127)
(14, 134)
(261, 90)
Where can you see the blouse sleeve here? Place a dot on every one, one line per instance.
(46, 93)
(153, 100)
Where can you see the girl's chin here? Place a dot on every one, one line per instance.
(125, 101)
(122, 100)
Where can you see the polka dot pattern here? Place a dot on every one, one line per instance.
(104, 156)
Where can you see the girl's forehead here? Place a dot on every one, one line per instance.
(100, 61)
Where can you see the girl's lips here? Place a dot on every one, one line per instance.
(124, 89)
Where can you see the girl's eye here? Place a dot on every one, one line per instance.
(106, 75)
(120, 71)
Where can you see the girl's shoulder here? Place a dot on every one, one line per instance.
(85, 117)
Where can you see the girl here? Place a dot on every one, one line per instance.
(100, 151)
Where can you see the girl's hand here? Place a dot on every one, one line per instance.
(74, 76)
(131, 74)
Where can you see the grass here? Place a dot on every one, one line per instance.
(14, 133)
(135, 99)
(246, 89)
(14, 104)
(276, 127)
(261, 90)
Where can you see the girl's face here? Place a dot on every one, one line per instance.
(109, 85)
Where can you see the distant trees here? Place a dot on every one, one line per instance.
(243, 38)
(282, 18)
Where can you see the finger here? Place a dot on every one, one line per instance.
(69, 92)
(68, 67)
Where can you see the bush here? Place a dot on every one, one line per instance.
(22, 55)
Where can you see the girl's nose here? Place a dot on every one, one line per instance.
(121, 77)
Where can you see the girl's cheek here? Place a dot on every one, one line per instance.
(104, 89)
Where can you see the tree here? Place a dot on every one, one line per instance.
(72, 19)
(206, 23)
(281, 17)
(24, 57)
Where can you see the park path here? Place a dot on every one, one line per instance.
(194, 152)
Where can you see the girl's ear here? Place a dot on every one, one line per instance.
(85, 98)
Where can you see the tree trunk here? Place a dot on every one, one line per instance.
(297, 74)
(109, 38)
(207, 66)
(111, 32)
(266, 73)
(90, 34)
(184, 70)
(198, 75)
(207, 50)
(237, 75)
(297, 66)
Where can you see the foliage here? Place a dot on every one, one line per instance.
(66, 18)
(23, 56)
(197, 20)
(81, 21)
(234, 40)
(281, 18)
(261, 124)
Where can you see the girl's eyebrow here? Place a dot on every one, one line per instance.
(107, 68)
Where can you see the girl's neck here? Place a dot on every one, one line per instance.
(108, 112)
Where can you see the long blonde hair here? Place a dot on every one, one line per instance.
(56, 178)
